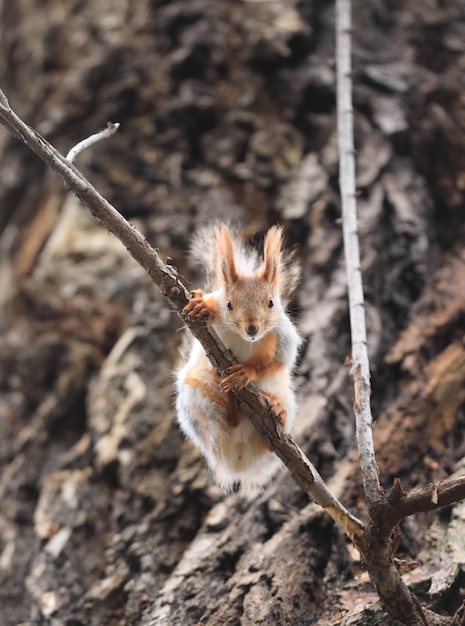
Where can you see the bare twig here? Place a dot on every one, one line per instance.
(401, 504)
(360, 366)
(251, 401)
(90, 141)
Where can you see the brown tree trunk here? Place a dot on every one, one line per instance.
(227, 111)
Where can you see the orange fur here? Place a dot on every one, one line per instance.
(273, 255)
(225, 249)
(199, 308)
(211, 393)
(261, 365)
(225, 401)
(277, 406)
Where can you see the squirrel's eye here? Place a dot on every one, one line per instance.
(270, 303)
(229, 305)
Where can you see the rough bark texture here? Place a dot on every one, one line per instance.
(227, 110)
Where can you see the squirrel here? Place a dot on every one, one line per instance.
(245, 305)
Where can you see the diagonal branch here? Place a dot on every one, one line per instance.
(251, 401)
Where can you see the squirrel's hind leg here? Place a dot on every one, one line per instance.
(200, 411)
(232, 447)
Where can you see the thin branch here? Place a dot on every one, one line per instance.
(428, 498)
(90, 141)
(378, 550)
(361, 368)
(251, 401)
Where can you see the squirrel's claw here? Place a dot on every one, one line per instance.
(277, 406)
(238, 377)
(196, 309)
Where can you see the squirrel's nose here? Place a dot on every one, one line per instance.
(252, 329)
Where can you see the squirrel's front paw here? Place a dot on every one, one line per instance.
(196, 309)
(238, 377)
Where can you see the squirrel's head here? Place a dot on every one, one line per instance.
(251, 303)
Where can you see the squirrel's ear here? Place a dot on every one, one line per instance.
(273, 254)
(227, 264)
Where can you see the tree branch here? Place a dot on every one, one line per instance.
(428, 498)
(92, 140)
(251, 401)
(379, 547)
(360, 367)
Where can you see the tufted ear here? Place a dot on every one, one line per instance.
(273, 255)
(225, 248)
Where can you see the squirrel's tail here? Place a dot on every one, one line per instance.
(291, 274)
(204, 251)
